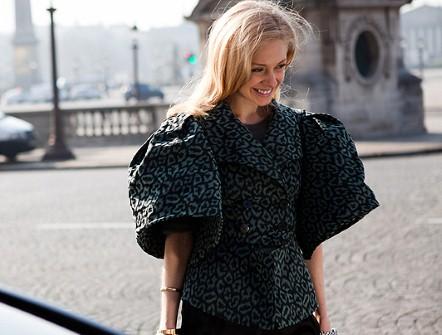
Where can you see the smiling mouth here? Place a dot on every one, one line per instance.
(264, 93)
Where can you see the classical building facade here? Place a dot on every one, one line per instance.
(352, 68)
(26, 64)
(421, 31)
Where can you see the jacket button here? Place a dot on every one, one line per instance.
(247, 203)
(244, 228)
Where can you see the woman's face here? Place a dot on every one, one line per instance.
(268, 69)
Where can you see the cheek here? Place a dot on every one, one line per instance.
(280, 76)
(256, 79)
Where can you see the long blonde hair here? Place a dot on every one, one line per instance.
(233, 40)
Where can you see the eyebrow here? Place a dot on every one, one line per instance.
(284, 60)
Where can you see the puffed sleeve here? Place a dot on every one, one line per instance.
(172, 176)
(333, 193)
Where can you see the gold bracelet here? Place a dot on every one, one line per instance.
(168, 331)
(170, 289)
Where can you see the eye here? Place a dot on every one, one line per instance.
(281, 66)
(258, 69)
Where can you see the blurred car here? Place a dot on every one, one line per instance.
(43, 93)
(16, 136)
(84, 92)
(14, 96)
(39, 93)
(24, 315)
(145, 92)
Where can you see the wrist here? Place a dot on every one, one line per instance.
(166, 331)
(323, 316)
(170, 301)
(322, 311)
(167, 323)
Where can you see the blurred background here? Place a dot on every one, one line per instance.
(94, 41)
(117, 54)
(66, 139)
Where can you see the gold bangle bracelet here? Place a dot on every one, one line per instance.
(168, 331)
(170, 289)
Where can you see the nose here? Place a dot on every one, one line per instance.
(271, 79)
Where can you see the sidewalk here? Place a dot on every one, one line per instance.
(120, 156)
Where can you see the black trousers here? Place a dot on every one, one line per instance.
(196, 322)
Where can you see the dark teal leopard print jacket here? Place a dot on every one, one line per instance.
(262, 207)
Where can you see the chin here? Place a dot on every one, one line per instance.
(264, 102)
(261, 101)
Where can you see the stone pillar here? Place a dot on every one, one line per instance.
(353, 68)
(26, 63)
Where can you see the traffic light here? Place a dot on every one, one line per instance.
(191, 58)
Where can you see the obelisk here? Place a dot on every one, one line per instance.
(26, 63)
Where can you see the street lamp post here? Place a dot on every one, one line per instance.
(57, 148)
(135, 62)
(420, 50)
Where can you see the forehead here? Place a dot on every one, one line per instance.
(271, 51)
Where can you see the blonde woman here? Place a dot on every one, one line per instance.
(237, 191)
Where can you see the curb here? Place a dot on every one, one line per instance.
(42, 166)
(31, 166)
(401, 154)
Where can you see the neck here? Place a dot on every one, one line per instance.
(248, 113)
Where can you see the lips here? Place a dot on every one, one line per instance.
(263, 92)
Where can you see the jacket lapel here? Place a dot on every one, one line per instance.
(283, 140)
(233, 143)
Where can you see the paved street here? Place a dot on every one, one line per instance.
(66, 236)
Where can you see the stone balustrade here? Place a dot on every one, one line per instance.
(97, 126)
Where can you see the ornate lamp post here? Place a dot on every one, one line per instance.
(134, 30)
(57, 148)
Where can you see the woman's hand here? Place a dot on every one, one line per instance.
(316, 268)
(324, 322)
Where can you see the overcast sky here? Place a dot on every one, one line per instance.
(145, 13)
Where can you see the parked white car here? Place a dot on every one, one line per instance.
(16, 136)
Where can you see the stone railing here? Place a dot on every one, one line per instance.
(90, 126)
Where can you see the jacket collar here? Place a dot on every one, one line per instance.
(232, 142)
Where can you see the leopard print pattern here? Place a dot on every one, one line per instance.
(247, 265)
(173, 175)
(333, 196)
